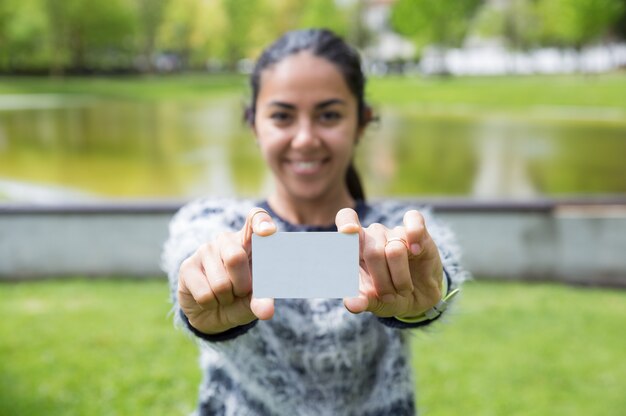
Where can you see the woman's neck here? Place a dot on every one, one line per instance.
(321, 211)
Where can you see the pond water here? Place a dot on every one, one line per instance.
(62, 148)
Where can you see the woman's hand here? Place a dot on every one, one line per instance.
(215, 283)
(400, 269)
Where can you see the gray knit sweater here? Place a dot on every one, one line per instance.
(313, 357)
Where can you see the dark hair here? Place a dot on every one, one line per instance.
(324, 44)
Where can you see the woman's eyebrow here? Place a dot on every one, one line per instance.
(330, 102)
(323, 104)
(283, 105)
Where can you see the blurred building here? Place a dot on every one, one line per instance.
(387, 51)
(489, 57)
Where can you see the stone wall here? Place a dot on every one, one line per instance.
(583, 243)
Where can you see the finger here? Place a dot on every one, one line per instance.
(239, 313)
(360, 303)
(236, 263)
(263, 308)
(415, 231)
(364, 303)
(347, 221)
(217, 277)
(356, 305)
(376, 262)
(397, 256)
(192, 281)
(258, 222)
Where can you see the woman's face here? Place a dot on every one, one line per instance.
(306, 126)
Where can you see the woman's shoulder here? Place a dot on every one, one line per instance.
(214, 208)
(391, 211)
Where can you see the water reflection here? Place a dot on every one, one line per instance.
(173, 149)
(430, 155)
(503, 151)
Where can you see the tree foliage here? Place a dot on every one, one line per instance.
(565, 23)
(104, 35)
(84, 35)
(578, 22)
(443, 23)
(22, 26)
(150, 14)
(517, 22)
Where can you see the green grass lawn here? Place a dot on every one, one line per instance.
(108, 347)
(458, 94)
(537, 93)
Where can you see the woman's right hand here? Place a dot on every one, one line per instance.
(215, 283)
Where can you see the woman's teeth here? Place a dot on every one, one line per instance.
(306, 165)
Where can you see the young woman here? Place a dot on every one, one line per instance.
(294, 356)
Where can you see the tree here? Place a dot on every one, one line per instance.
(88, 35)
(442, 23)
(324, 14)
(179, 32)
(288, 15)
(619, 28)
(22, 26)
(578, 22)
(241, 18)
(149, 20)
(515, 21)
(358, 33)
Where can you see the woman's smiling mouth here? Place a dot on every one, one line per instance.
(307, 167)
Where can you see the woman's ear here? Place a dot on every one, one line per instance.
(248, 118)
(368, 115)
(366, 118)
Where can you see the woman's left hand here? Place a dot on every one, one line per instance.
(400, 269)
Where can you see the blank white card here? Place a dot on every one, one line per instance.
(305, 265)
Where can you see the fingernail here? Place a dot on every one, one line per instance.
(265, 226)
(415, 249)
(349, 226)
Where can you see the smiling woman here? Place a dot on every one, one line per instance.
(306, 126)
(308, 356)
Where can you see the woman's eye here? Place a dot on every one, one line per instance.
(280, 117)
(330, 116)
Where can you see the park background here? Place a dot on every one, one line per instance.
(138, 104)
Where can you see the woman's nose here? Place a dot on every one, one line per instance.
(305, 136)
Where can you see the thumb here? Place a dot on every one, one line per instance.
(258, 222)
(263, 308)
(347, 221)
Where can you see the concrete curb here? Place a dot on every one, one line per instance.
(573, 241)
